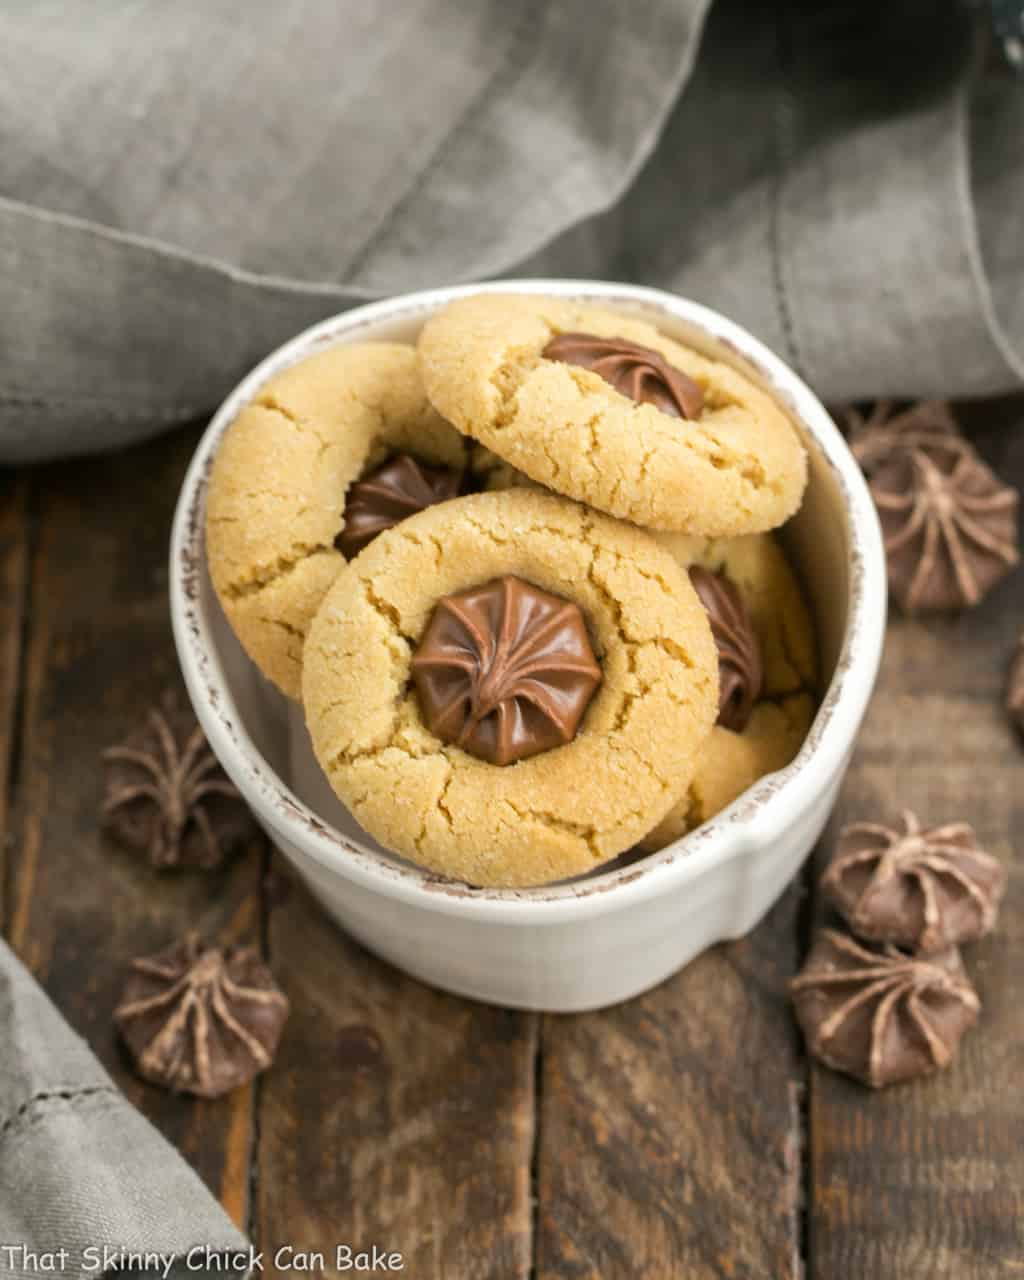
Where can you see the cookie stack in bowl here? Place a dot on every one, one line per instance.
(522, 579)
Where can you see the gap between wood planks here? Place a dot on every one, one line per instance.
(252, 1222)
(802, 1190)
(536, 1138)
(17, 530)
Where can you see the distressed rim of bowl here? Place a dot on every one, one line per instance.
(770, 804)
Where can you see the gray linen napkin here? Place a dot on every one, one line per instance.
(184, 186)
(80, 1169)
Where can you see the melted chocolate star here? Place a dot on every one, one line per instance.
(201, 1019)
(638, 372)
(505, 670)
(925, 889)
(882, 1015)
(389, 494)
(740, 668)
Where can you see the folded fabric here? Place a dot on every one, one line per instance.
(182, 187)
(81, 1171)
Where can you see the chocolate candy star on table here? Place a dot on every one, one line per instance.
(948, 522)
(201, 1019)
(926, 889)
(874, 439)
(167, 797)
(884, 1012)
(881, 1014)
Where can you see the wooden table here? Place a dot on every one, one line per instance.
(683, 1134)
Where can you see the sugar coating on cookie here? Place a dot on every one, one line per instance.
(276, 501)
(730, 762)
(737, 467)
(556, 814)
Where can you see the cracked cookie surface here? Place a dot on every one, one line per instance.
(277, 491)
(737, 468)
(554, 815)
(731, 762)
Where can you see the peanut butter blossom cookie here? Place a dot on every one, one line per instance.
(329, 453)
(767, 670)
(610, 411)
(510, 689)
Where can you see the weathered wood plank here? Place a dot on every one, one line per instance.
(14, 550)
(670, 1126)
(396, 1116)
(99, 653)
(927, 1180)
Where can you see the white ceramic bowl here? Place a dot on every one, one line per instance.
(609, 936)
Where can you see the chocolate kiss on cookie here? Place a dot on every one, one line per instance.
(389, 494)
(505, 670)
(766, 666)
(638, 372)
(740, 669)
